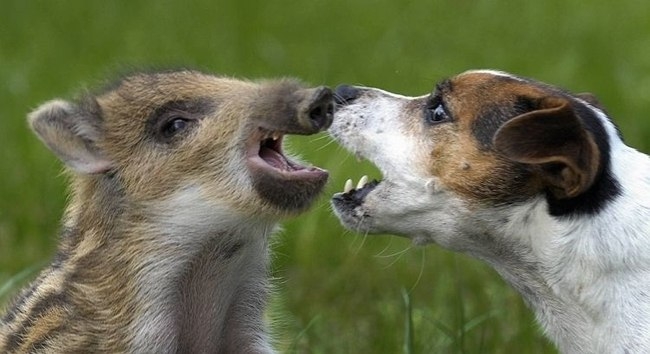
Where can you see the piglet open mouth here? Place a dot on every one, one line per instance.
(277, 178)
(266, 154)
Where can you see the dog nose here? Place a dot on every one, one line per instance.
(345, 94)
(321, 110)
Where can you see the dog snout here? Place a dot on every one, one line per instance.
(345, 94)
(321, 109)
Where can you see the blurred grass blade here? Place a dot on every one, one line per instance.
(408, 323)
(294, 344)
(18, 279)
(478, 320)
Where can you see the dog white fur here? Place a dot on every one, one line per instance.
(532, 179)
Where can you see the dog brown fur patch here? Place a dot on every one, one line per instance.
(459, 159)
(466, 160)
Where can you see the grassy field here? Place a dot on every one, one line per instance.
(337, 292)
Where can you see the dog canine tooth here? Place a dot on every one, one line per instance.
(348, 186)
(362, 182)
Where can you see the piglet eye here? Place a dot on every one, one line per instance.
(174, 126)
(436, 114)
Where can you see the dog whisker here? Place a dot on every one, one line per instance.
(421, 273)
(325, 145)
(397, 256)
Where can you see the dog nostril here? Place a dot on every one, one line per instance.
(345, 94)
(321, 111)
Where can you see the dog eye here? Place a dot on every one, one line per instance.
(436, 114)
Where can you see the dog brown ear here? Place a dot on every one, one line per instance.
(555, 142)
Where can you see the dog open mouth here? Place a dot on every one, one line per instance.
(352, 197)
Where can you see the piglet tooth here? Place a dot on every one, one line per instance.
(362, 182)
(348, 186)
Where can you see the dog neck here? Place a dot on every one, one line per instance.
(586, 277)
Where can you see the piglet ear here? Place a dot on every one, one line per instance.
(72, 133)
(553, 140)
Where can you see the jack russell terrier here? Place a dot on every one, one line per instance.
(530, 178)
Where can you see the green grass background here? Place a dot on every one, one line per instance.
(337, 292)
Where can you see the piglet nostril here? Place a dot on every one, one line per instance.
(321, 110)
(345, 94)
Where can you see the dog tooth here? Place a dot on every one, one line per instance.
(362, 182)
(276, 136)
(348, 186)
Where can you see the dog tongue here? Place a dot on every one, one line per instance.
(275, 159)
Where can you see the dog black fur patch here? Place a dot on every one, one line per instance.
(492, 117)
(605, 187)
